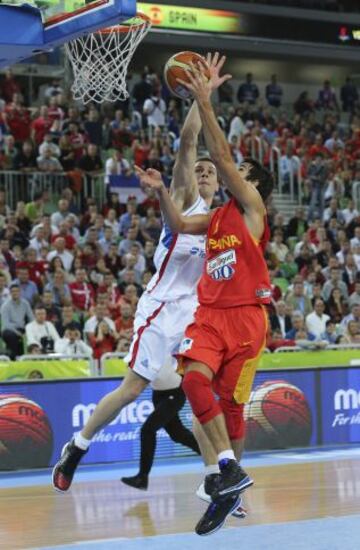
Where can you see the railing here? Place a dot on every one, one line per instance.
(275, 168)
(21, 186)
(275, 156)
(257, 150)
(329, 347)
(356, 194)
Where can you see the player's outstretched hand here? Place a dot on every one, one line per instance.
(215, 64)
(197, 82)
(150, 178)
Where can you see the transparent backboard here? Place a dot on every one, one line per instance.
(34, 26)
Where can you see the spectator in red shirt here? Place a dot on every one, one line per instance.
(9, 86)
(103, 340)
(77, 140)
(151, 201)
(82, 293)
(125, 323)
(70, 241)
(141, 149)
(36, 267)
(18, 119)
(318, 147)
(54, 111)
(41, 125)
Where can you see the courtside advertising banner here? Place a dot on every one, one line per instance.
(38, 417)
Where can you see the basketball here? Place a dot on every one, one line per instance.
(175, 68)
(26, 439)
(277, 416)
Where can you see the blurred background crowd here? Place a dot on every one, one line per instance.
(72, 267)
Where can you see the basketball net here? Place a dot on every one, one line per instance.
(100, 60)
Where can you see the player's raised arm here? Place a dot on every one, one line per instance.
(245, 193)
(184, 188)
(192, 225)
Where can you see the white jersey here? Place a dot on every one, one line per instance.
(179, 261)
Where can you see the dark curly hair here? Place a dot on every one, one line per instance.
(257, 173)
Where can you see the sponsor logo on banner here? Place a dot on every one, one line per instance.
(346, 403)
(219, 268)
(135, 413)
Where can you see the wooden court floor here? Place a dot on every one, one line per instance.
(37, 516)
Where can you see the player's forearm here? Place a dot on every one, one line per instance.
(192, 125)
(219, 150)
(171, 215)
(214, 136)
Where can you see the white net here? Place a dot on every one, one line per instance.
(100, 60)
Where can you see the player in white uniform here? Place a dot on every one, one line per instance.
(168, 304)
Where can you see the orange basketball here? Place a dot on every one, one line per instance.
(277, 416)
(26, 439)
(175, 68)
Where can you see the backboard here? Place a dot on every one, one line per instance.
(32, 27)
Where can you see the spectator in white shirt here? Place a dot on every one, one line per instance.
(277, 246)
(333, 211)
(355, 296)
(38, 241)
(350, 212)
(72, 344)
(116, 166)
(60, 251)
(41, 332)
(237, 126)
(107, 240)
(334, 141)
(304, 241)
(61, 214)
(4, 290)
(48, 144)
(356, 255)
(112, 221)
(289, 163)
(47, 162)
(155, 109)
(316, 321)
(355, 241)
(353, 316)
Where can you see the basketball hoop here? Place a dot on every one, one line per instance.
(100, 60)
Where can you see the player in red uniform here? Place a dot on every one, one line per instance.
(220, 350)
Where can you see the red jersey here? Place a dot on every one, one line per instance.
(82, 295)
(235, 272)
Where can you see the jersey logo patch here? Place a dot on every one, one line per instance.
(220, 268)
(263, 293)
(185, 345)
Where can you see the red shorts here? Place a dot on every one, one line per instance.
(230, 342)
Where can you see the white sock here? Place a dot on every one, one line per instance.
(229, 453)
(81, 442)
(212, 469)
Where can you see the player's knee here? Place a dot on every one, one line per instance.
(234, 418)
(197, 388)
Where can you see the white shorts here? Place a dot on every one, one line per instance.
(158, 330)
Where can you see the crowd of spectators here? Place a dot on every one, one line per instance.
(71, 277)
